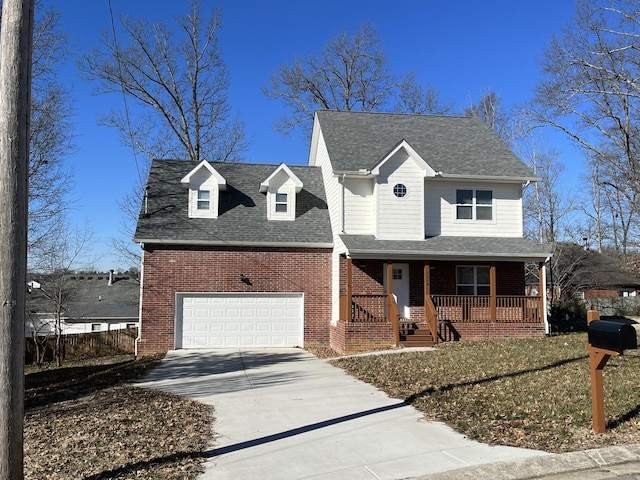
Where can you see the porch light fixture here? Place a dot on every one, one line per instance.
(244, 279)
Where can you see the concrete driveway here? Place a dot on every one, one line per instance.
(284, 414)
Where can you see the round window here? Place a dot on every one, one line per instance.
(400, 190)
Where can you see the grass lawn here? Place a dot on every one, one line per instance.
(532, 393)
(83, 421)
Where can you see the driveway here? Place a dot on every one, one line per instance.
(284, 414)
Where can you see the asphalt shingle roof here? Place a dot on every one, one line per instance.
(365, 246)
(451, 145)
(91, 296)
(242, 216)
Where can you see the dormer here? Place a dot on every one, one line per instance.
(205, 184)
(281, 188)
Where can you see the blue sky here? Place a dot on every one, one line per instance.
(461, 48)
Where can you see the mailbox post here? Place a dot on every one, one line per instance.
(606, 339)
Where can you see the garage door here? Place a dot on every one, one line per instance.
(226, 320)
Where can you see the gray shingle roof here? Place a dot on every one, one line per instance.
(441, 247)
(451, 145)
(90, 297)
(242, 216)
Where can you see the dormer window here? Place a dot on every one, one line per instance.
(204, 200)
(281, 202)
(281, 189)
(205, 184)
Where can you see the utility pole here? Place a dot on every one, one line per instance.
(16, 38)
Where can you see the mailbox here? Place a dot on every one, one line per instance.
(612, 335)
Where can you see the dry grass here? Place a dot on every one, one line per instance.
(532, 393)
(83, 421)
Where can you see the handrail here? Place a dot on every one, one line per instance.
(432, 318)
(394, 318)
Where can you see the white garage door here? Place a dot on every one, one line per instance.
(226, 320)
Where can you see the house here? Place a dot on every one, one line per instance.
(428, 209)
(89, 302)
(587, 274)
(402, 229)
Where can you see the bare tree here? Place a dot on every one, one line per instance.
(174, 86)
(589, 87)
(351, 73)
(15, 99)
(61, 252)
(414, 98)
(51, 133)
(490, 109)
(178, 81)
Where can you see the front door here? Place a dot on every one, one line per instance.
(400, 284)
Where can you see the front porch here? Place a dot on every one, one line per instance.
(431, 310)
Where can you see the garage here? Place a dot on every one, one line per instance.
(231, 320)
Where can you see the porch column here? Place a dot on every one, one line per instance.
(427, 288)
(392, 313)
(493, 297)
(349, 302)
(542, 272)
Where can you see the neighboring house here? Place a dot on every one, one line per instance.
(402, 227)
(588, 274)
(94, 302)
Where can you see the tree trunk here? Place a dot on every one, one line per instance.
(15, 100)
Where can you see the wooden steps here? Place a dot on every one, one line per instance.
(412, 335)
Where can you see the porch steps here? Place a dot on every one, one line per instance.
(414, 336)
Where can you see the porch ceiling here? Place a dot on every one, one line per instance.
(445, 248)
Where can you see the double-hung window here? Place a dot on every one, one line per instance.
(281, 203)
(204, 200)
(473, 204)
(473, 280)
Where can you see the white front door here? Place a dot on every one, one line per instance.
(400, 285)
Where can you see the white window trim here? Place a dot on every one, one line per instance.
(473, 206)
(290, 214)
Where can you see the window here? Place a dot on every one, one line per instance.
(472, 280)
(400, 190)
(396, 274)
(474, 204)
(281, 203)
(204, 200)
(96, 327)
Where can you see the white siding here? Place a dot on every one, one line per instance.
(333, 190)
(400, 218)
(440, 211)
(358, 206)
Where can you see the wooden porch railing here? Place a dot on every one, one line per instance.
(431, 316)
(477, 308)
(372, 308)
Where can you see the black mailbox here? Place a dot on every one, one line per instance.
(612, 335)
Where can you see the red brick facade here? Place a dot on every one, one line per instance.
(169, 269)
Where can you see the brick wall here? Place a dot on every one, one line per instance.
(169, 269)
(354, 337)
(455, 331)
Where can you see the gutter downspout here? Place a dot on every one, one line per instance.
(139, 336)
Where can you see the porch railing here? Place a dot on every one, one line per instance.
(372, 309)
(478, 309)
